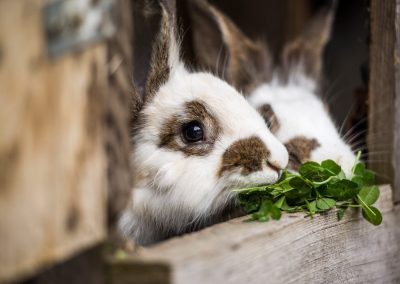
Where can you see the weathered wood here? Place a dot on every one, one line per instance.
(120, 62)
(84, 268)
(396, 129)
(292, 250)
(53, 177)
(383, 92)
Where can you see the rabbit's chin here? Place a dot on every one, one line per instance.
(238, 181)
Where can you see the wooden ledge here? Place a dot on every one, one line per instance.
(292, 250)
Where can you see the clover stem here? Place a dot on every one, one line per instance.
(365, 206)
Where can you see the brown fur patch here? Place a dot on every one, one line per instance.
(269, 116)
(247, 154)
(299, 149)
(171, 137)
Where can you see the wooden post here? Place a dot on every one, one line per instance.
(384, 93)
(52, 159)
(396, 129)
(64, 146)
(117, 119)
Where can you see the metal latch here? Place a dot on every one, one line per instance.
(72, 24)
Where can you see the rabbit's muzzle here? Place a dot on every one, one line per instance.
(248, 155)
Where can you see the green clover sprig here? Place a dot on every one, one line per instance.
(316, 189)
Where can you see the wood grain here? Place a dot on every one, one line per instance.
(292, 250)
(383, 92)
(120, 96)
(53, 177)
(396, 129)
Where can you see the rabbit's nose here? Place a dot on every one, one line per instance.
(248, 155)
(274, 166)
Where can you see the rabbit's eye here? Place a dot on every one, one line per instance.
(193, 132)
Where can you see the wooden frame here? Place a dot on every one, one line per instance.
(63, 141)
(52, 157)
(384, 91)
(292, 250)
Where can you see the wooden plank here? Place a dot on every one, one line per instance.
(53, 178)
(84, 268)
(120, 62)
(292, 250)
(396, 129)
(383, 92)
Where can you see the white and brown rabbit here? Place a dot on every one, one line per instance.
(195, 139)
(288, 96)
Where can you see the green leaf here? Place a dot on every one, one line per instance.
(300, 188)
(359, 169)
(267, 210)
(280, 202)
(369, 177)
(325, 203)
(373, 215)
(275, 212)
(312, 206)
(340, 213)
(342, 175)
(331, 166)
(369, 194)
(342, 189)
(250, 202)
(313, 172)
(316, 173)
(259, 217)
(286, 207)
(362, 176)
(358, 180)
(316, 189)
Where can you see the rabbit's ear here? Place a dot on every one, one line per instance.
(220, 47)
(135, 105)
(304, 54)
(165, 55)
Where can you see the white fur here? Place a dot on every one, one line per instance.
(172, 191)
(300, 112)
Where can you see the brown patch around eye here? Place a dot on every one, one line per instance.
(269, 116)
(171, 137)
(299, 149)
(248, 154)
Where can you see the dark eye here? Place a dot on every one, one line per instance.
(193, 132)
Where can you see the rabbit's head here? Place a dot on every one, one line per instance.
(195, 139)
(288, 96)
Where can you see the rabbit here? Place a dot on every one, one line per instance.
(286, 96)
(195, 138)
